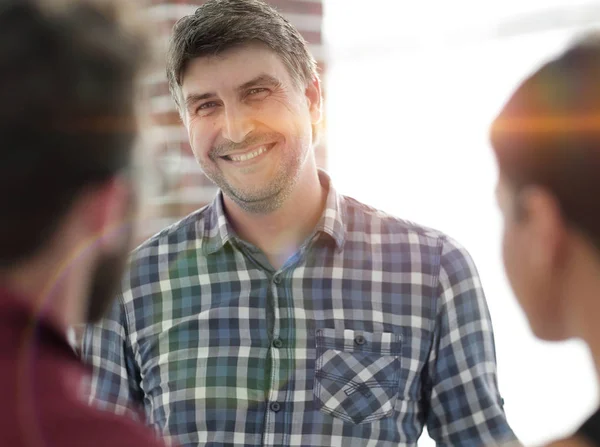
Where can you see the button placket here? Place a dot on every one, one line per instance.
(274, 406)
(359, 340)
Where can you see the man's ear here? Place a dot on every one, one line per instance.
(105, 209)
(315, 101)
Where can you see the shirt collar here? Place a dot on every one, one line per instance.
(333, 217)
(218, 231)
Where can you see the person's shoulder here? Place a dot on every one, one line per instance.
(79, 424)
(359, 216)
(574, 441)
(185, 230)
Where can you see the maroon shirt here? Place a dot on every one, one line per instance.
(40, 381)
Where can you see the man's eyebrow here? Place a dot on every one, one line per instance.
(193, 98)
(262, 79)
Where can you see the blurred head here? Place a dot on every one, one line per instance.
(249, 95)
(547, 144)
(67, 126)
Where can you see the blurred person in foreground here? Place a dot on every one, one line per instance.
(67, 126)
(547, 143)
(285, 313)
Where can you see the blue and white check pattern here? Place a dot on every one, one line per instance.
(375, 328)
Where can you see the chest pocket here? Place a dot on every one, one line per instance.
(356, 374)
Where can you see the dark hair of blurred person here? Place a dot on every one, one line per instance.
(67, 126)
(547, 143)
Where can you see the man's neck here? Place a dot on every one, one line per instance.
(280, 233)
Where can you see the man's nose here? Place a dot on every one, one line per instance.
(238, 124)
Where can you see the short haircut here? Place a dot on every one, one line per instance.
(219, 25)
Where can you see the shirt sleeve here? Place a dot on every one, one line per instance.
(465, 406)
(115, 379)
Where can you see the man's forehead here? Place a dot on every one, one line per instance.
(233, 67)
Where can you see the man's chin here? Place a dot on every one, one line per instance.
(258, 203)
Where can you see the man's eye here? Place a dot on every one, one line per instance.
(206, 105)
(257, 91)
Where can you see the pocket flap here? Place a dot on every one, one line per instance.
(383, 343)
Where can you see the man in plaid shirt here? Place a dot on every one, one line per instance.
(285, 313)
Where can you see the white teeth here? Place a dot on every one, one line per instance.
(251, 155)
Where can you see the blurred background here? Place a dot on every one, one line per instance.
(410, 90)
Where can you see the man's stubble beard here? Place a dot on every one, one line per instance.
(108, 272)
(267, 199)
(105, 282)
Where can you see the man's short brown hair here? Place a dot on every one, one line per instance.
(222, 24)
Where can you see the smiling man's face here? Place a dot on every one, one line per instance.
(250, 124)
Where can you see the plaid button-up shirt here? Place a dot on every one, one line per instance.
(375, 328)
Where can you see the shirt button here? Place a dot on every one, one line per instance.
(359, 340)
(277, 343)
(275, 407)
(276, 279)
